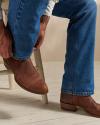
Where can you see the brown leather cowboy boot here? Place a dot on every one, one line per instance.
(72, 102)
(26, 75)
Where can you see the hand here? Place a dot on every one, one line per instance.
(41, 36)
(5, 42)
(43, 24)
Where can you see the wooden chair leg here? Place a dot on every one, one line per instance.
(39, 65)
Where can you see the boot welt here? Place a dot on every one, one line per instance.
(74, 108)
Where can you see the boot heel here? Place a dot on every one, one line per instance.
(68, 107)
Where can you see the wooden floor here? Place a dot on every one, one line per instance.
(18, 107)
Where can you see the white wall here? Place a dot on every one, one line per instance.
(97, 51)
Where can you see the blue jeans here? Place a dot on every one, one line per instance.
(78, 78)
(24, 23)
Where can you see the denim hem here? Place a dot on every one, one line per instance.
(21, 57)
(85, 93)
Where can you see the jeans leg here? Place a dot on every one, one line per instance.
(24, 23)
(78, 78)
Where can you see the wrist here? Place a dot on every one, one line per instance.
(44, 21)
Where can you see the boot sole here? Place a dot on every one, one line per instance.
(68, 107)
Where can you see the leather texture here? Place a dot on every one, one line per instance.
(26, 75)
(72, 102)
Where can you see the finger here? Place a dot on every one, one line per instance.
(38, 46)
(9, 46)
(38, 43)
(1, 54)
(5, 54)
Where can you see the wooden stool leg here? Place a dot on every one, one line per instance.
(39, 65)
(10, 81)
(9, 74)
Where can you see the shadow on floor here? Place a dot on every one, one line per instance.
(5, 115)
(20, 100)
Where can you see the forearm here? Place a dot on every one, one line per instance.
(43, 24)
(48, 12)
